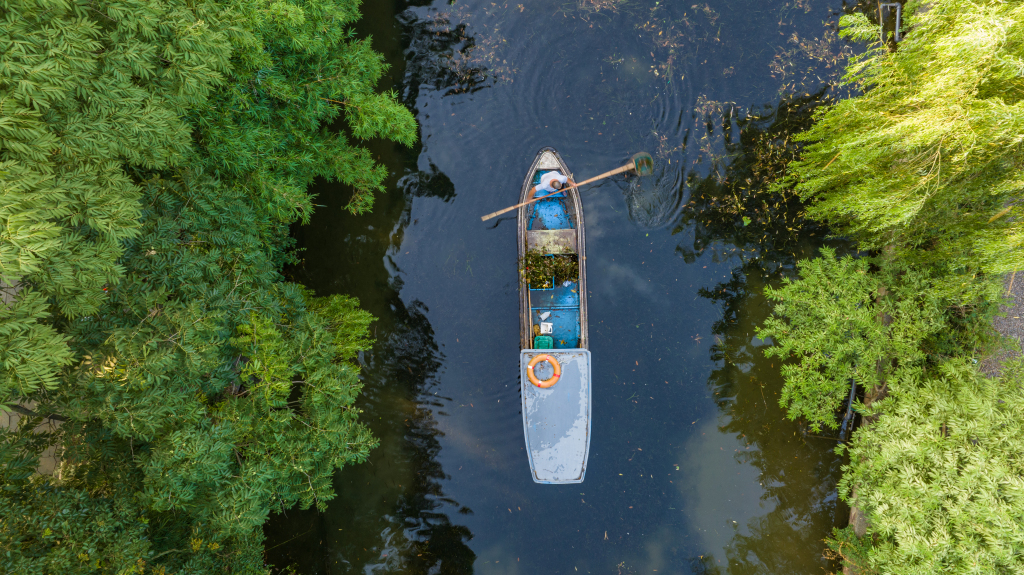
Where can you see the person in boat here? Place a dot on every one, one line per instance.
(550, 182)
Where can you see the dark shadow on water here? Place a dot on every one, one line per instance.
(390, 513)
(736, 214)
(432, 183)
(436, 57)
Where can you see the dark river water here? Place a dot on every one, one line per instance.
(693, 467)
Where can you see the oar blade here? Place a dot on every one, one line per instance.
(643, 164)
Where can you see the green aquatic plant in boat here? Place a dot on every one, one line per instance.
(538, 269)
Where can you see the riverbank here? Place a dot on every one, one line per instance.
(1010, 325)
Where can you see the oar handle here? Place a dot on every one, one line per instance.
(625, 168)
(510, 208)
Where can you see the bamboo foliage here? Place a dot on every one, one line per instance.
(941, 473)
(938, 471)
(82, 96)
(31, 351)
(71, 114)
(923, 168)
(297, 69)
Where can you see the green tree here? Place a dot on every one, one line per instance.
(196, 391)
(85, 89)
(940, 474)
(931, 151)
(843, 321)
(293, 75)
(923, 168)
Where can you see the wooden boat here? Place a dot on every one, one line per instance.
(556, 419)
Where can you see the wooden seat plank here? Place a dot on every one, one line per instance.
(551, 241)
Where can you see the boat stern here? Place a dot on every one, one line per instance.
(557, 419)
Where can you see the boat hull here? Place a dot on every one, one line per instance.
(548, 159)
(556, 420)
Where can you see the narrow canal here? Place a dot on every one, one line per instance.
(693, 467)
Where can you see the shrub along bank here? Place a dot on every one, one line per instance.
(152, 156)
(923, 170)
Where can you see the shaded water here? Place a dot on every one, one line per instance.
(692, 467)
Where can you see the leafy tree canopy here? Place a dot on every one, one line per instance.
(85, 89)
(932, 150)
(844, 321)
(923, 167)
(940, 474)
(294, 73)
(152, 156)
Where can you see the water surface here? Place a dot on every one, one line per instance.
(693, 467)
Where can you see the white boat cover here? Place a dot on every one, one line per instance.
(557, 419)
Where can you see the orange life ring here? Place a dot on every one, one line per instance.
(547, 382)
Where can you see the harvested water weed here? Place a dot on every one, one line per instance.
(539, 270)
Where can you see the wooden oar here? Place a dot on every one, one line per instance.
(642, 163)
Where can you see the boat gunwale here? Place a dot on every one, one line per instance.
(525, 316)
(525, 308)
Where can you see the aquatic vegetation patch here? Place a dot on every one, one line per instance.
(717, 141)
(799, 63)
(594, 6)
(486, 50)
(539, 270)
(707, 11)
(436, 56)
(667, 36)
(747, 202)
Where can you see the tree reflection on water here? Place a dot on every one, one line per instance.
(391, 512)
(742, 218)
